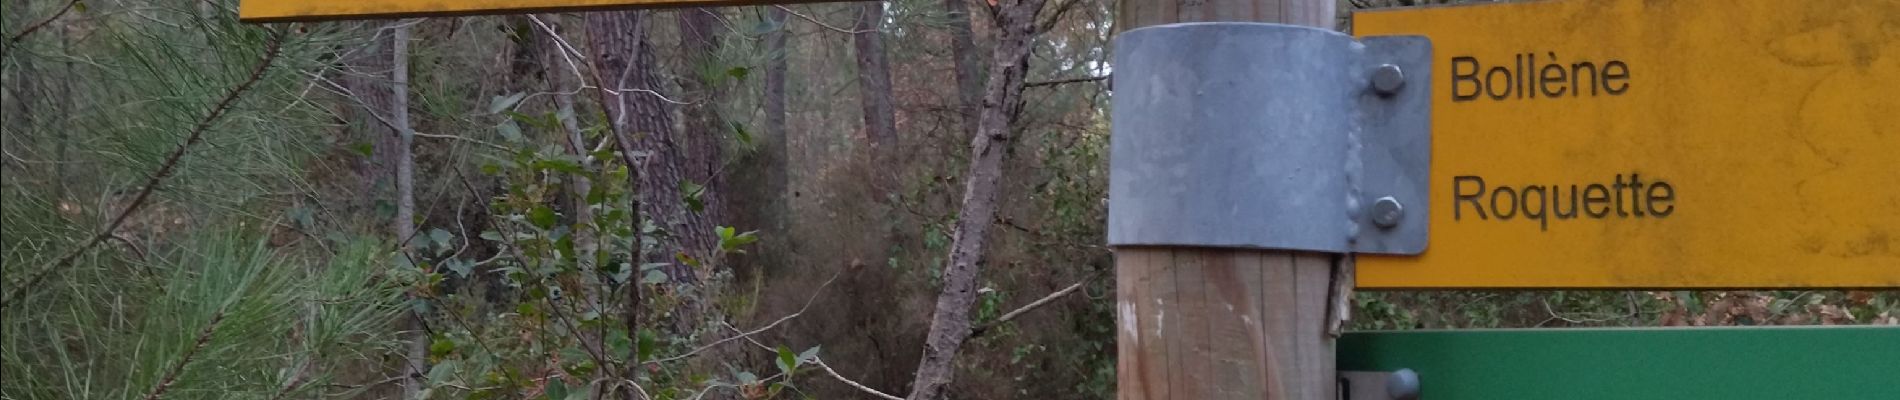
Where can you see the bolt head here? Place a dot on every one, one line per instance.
(1402, 384)
(1388, 79)
(1386, 212)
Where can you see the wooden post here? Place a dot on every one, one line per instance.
(1207, 323)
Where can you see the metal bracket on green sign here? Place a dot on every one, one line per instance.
(1190, 99)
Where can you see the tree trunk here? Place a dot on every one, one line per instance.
(405, 223)
(874, 88)
(364, 76)
(1002, 99)
(641, 123)
(963, 49)
(700, 81)
(776, 138)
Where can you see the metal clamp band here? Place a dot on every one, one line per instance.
(1269, 136)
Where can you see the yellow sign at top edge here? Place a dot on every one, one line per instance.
(1657, 144)
(322, 10)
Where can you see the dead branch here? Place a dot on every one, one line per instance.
(272, 48)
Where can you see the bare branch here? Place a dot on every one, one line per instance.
(1045, 300)
(820, 362)
(746, 334)
(1065, 81)
(463, 138)
(273, 47)
(822, 24)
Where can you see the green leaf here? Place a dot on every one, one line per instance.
(563, 164)
(500, 103)
(491, 236)
(808, 355)
(617, 342)
(443, 372)
(459, 267)
(731, 243)
(690, 192)
(653, 277)
(509, 130)
(440, 237)
(441, 346)
(542, 217)
(738, 72)
(647, 344)
(747, 378)
(739, 131)
(557, 389)
(367, 149)
(580, 394)
(787, 362)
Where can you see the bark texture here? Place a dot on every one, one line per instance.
(1002, 100)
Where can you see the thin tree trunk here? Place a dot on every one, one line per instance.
(63, 137)
(1002, 99)
(756, 198)
(874, 85)
(778, 176)
(963, 49)
(405, 223)
(539, 53)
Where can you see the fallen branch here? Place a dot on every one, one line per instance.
(272, 48)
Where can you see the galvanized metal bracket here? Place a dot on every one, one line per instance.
(1268, 136)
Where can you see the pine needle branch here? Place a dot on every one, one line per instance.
(42, 24)
(273, 48)
(171, 376)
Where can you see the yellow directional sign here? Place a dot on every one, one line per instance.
(1657, 144)
(312, 10)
